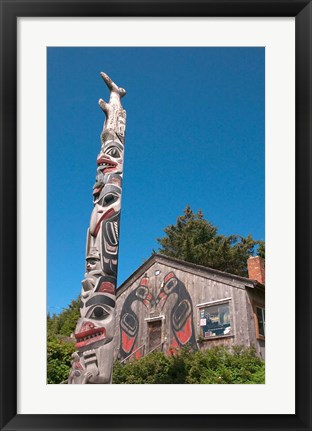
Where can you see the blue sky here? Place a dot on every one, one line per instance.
(194, 135)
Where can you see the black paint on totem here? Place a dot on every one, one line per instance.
(95, 330)
(110, 244)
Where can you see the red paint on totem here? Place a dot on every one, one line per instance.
(89, 334)
(106, 169)
(105, 160)
(108, 287)
(86, 326)
(127, 342)
(185, 334)
(106, 215)
(78, 366)
(97, 190)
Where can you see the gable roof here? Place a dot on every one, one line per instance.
(200, 270)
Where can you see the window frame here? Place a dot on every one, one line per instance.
(217, 302)
(262, 307)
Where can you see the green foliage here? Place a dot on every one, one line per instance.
(261, 249)
(196, 240)
(65, 322)
(218, 366)
(153, 368)
(58, 360)
(60, 347)
(214, 366)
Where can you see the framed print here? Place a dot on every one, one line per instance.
(33, 34)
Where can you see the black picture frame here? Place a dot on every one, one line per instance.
(10, 11)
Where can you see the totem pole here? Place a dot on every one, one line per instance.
(93, 361)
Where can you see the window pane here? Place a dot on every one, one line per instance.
(260, 316)
(215, 320)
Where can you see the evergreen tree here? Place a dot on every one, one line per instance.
(261, 249)
(67, 319)
(196, 240)
(60, 346)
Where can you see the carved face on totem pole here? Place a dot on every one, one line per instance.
(93, 271)
(93, 361)
(94, 337)
(104, 223)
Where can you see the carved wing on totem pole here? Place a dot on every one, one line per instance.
(93, 361)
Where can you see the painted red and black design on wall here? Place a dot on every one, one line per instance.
(181, 313)
(129, 321)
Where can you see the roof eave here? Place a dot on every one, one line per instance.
(156, 256)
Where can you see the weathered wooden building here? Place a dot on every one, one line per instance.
(167, 304)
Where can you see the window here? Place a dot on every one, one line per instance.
(260, 313)
(215, 320)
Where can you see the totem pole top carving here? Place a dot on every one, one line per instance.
(93, 361)
(113, 109)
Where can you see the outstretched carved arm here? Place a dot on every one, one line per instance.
(115, 115)
(116, 93)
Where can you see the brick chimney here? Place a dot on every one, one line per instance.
(256, 268)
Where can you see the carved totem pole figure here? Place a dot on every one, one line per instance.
(93, 361)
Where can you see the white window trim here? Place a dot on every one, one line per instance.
(218, 301)
(151, 319)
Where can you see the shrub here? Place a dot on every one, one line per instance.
(215, 366)
(153, 368)
(59, 360)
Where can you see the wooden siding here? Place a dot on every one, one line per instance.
(255, 298)
(201, 287)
